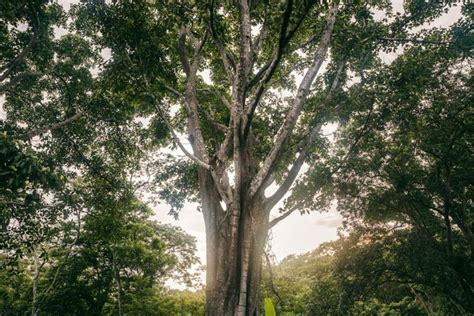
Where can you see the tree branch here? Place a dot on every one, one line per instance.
(190, 96)
(183, 55)
(51, 127)
(291, 118)
(260, 74)
(256, 48)
(294, 170)
(270, 272)
(192, 106)
(296, 167)
(176, 138)
(270, 70)
(208, 116)
(218, 126)
(278, 219)
(8, 68)
(227, 60)
(413, 40)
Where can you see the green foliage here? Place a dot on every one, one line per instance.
(374, 307)
(293, 280)
(15, 287)
(182, 303)
(25, 179)
(81, 136)
(114, 247)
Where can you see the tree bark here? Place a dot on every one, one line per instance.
(232, 268)
(118, 282)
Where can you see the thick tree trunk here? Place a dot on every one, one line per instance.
(233, 266)
(227, 280)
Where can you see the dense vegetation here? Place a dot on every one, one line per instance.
(384, 271)
(95, 102)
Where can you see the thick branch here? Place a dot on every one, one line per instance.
(51, 127)
(192, 105)
(183, 55)
(245, 47)
(223, 152)
(258, 43)
(229, 64)
(8, 68)
(290, 121)
(296, 167)
(294, 170)
(190, 96)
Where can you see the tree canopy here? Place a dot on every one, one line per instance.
(115, 106)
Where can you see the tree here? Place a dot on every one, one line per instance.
(290, 283)
(387, 268)
(111, 260)
(382, 269)
(236, 122)
(413, 162)
(26, 175)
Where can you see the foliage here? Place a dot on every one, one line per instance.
(182, 303)
(25, 179)
(97, 98)
(369, 272)
(412, 165)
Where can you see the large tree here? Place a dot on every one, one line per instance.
(242, 80)
(252, 122)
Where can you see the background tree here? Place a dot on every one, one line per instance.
(113, 261)
(374, 270)
(413, 161)
(26, 175)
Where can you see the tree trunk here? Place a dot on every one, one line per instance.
(118, 282)
(233, 266)
(226, 280)
(34, 309)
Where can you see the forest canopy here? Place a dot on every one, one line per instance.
(113, 109)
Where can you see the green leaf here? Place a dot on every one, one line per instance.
(269, 308)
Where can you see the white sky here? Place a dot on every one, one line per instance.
(297, 233)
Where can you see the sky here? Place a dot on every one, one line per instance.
(298, 233)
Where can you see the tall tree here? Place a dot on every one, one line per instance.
(250, 119)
